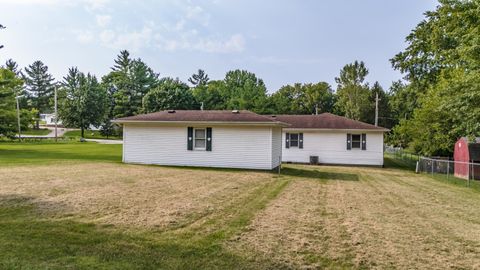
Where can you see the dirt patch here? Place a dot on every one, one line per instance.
(386, 219)
(147, 196)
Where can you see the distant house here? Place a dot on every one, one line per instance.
(48, 119)
(228, 139)
(331, 139)
(467, 151)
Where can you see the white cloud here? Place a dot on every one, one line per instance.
(134, 40)
(85, 36)
(103, 20)
(236, 43)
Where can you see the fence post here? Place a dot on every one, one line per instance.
(448, 169)
(432, 165)
(469, 173)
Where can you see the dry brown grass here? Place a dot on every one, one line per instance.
(387, 219)
(119, 194)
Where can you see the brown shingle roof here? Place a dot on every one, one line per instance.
(241, 116)
(324, 121)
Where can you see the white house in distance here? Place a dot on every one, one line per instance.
(331, 138)
(229, 139)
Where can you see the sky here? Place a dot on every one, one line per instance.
(282, 42)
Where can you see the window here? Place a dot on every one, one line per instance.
(200, 138)
(293, 139)
(356, 141)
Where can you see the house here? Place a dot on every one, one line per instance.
(331, 139)
(466, 152)
(48, 119)
(228, 139)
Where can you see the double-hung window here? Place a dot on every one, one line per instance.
(200, 138)
(356, 141)
(293, 139)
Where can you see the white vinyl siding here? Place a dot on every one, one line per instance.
(330, 147)
(276, 147)
(232, 147)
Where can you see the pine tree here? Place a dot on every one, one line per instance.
(8, 82)
(39, 86)
(199, 79)
(84, 102)
(128, 82)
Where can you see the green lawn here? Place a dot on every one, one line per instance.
(15, 153)
(89, 134)
(39, 132)
(76, 206)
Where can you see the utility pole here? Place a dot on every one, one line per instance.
(56, 113)
(376, 109)
(18, 118)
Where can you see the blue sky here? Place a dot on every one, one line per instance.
(283, 42)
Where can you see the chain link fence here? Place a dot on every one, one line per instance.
(399, 153)
(441, 168)
(466, 172)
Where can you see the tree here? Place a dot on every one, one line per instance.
(441, 65)
(169, 94)
(84, 101)
(199, 79)
(244, 91)
(352, 91)
(8, 83)
(39, 86)
(303, 99)
(12, 66)
(128, 82)
(210, 95)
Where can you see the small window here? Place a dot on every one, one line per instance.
(200, 138)
(293, 139)
(356, 141)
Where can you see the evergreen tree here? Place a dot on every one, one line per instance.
(210, 95)
(12, 66)
(199, 79)
(84, 101)
(39, 86)
(8, 82)
(128, 82)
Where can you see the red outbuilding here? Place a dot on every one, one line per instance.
(466, 152)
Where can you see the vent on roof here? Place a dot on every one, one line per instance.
(171, 111)
(235, 111)
(273, 116)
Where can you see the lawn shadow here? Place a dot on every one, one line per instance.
(319, 175)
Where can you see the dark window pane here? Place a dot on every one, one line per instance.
(356, 138)
(294, 140)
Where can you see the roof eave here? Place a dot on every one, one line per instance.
(226, 123)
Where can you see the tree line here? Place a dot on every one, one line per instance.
(132, 87)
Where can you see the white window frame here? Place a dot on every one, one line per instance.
(204, 148)
(298, 140)
(359, 141)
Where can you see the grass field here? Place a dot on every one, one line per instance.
(89, 134)
(82, 209)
